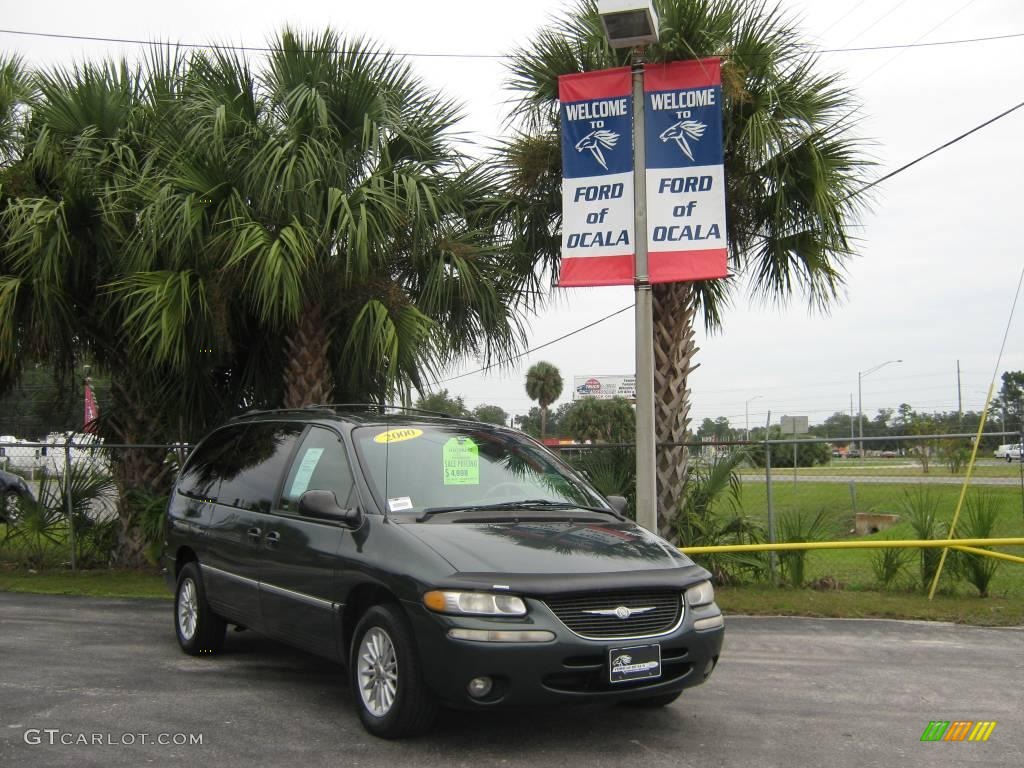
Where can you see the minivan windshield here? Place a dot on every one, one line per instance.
(414, 468)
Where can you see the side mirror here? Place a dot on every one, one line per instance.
(323, 505)
(618, 503)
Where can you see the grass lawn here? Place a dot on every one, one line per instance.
(98, 583)
(853, 567)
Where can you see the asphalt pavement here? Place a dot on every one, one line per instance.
(788, 692)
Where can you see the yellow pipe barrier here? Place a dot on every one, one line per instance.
(990, 553)
(967, 480)
(872, 544)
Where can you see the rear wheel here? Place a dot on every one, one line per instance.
(199, 629)
(387, 684)
(655, 702)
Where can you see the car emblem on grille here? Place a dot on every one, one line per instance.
(622, 611)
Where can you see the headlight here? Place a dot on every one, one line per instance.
(474, 603)
(700, 594)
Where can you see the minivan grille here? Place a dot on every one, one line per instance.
(571, 610)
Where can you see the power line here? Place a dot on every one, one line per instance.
(439, 55)
(939, 148)
(541, 346)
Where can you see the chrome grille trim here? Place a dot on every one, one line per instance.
(565, 606)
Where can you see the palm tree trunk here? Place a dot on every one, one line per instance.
(134, 469)
(675, 309)
(543, 421)
(307, 374)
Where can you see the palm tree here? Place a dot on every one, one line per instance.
(91, 131)
(543, 384)
(792, 169)
(15, 99)
(321, 202)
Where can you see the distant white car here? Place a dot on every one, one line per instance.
(1015, 452)
(1003, 451)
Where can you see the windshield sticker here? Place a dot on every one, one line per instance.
(461, 462)
(398, 435)
(399, 503)
(305, 471)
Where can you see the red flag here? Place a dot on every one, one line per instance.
(92, 410)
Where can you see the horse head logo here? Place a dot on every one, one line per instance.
(596, 142)
(681, 131)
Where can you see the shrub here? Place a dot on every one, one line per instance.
(699, 523)
(799, 526)
(888, 564)
(979, 522)
(808, 454)
(921, 507)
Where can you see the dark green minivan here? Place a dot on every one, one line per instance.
(444, 562)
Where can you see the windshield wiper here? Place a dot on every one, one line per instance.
(525, 504)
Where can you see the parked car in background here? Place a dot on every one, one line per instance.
(444, 562)
(1014, 453)
(11, 487)
(1003, 451)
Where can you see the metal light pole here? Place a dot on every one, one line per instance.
(646, 455)
(746, 414)
(860, 403)
(633, 24)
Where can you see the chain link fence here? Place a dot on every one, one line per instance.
(71, 517)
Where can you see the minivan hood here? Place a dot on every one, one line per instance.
(548, 547)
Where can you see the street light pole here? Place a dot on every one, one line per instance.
(860, 403)
(746, 413)
(646, 456)
(634, 24)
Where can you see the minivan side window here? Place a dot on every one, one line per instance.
(251, 468)
(319, 465)
(200, 478)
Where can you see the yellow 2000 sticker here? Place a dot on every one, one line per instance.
(398, 435)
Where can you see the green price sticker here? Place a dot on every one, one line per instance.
(461, 462)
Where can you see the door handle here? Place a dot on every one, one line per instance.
(272, 539)
(254, 533)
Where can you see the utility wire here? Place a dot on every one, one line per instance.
(939, 148)
(433, 55)
(540, 346)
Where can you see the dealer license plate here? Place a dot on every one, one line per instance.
(638, 662)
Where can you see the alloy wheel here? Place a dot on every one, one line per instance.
(188, 608)
(377, 671)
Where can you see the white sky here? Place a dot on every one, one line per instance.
(940, 254)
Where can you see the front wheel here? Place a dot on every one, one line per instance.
(199, 629)
(387, 683)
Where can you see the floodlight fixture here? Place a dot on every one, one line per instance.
(628, 23)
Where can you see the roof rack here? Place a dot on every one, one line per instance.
(383, 408)
(261, 411)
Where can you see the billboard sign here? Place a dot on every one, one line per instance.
(603, 387)
(685, 174)
(597, 178)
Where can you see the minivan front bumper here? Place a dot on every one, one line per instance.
(568, 669)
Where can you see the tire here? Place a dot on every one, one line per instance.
(387, 683)
(199, 630)
(655, 702)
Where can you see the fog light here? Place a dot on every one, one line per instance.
(479, 687)
(712, 622)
